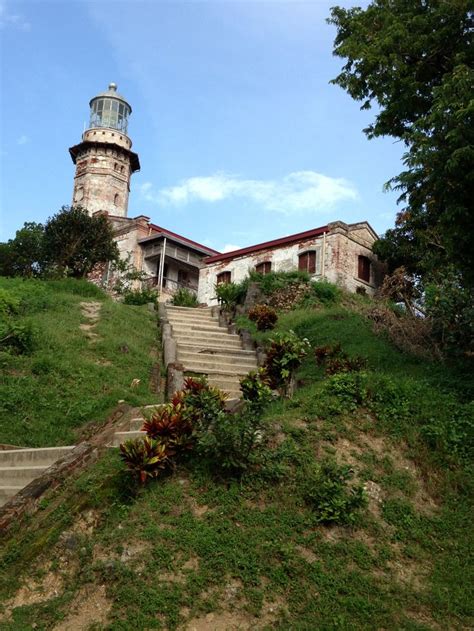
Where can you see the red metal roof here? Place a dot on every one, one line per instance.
(276, 243)
(178, 236)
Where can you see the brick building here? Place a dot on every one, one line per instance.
(105, 162)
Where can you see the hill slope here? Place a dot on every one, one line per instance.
(192, 551)
(82, 353)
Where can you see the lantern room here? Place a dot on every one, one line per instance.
(110, 110)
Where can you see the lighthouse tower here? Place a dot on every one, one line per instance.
(104, 159)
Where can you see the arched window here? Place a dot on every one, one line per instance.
(363, 271)
(116, 199)
(310, 261)
(223, 277)
(264, 268)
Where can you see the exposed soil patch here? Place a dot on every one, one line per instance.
(91, 606)
(91, 311)
(35, 590)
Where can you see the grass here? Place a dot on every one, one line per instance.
(68, 380)
(251, 552)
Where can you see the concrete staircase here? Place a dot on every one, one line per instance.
(205, 348)
(18, 467)
(134, 428)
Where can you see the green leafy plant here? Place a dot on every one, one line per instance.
(17, 337)
(325, 488)
(265, 317)
(169, 426)
(321, 292)
(145, 457)
(336, 360)
(139, 296)
(9, 303)
(230, 295)
(285, 352)
(255, 389)
(349, 387)
(184, 298)
(275, 281)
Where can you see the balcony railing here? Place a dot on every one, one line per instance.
(174, 252)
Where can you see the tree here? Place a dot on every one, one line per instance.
(23, 255)
(75, 242)
(414, 59)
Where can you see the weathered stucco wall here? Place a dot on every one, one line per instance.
(337, 260)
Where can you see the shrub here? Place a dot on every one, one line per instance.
(255, 389)
(169, 426)
(9, 303)
(337, 360)
(228, 441)
(139, 296)
(321, 291)
(145, 457)
(230, 295)
(326, 491)
(284, 355)
(264, 317)
(184, 298)
(275, 281)
(202, 402)
(16, 337)
(350, 388)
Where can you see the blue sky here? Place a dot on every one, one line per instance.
(240, 135)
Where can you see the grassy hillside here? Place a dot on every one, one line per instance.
(195, 551)
(68, 376)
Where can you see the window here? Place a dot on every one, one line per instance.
(116, 199)
(223, 277)
(264, 268)
(363, 271)
(183, 277)
(310, 262)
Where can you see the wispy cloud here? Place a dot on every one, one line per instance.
(298, 192)
(15, 20)
(23, 139)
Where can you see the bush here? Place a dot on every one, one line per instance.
(139, 296)
(230, 295)
(337, 360)
(145, 457)
(255, 389)
(184, 298)
(169, 426)
(321, 291)
(350, 388)
(285, 353)
(275, 281)
(264, 317)
(326, 491)
(16, 337)
(9, 303)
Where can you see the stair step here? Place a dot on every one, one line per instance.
(6, 492)
(121, 437)
(237, 374)
(183, 327)
(136, 424)
(171, 308)
(20, 475)
(34, 456)
(228, 339)
(201, 365)
(232, 359)
(208, 349)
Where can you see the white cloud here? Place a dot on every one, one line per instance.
(229, 247)
(22, 140)
(12, 19)
(298, 192)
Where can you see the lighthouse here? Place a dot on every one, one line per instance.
(104, 159)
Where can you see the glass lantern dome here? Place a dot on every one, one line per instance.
(110, 110)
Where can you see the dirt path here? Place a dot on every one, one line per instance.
(91, 311)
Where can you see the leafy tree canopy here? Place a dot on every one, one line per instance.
(71, 242)
(76, 242)
(413, 58)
